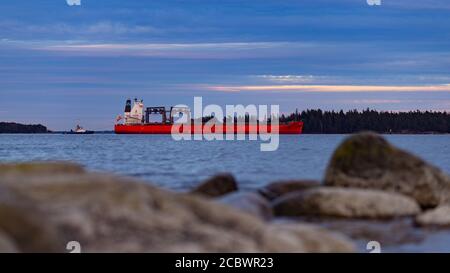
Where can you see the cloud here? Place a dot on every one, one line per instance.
(118, 28)
(56, 29)
(423, 4)
(376, 101)
(288, 78)
(311, 58)
(354, 79)
(330, 88)
(180, 50)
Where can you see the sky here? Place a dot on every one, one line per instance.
(63, 65)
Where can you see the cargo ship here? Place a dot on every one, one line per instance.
(136, 120)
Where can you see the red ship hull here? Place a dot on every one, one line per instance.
(292, 128)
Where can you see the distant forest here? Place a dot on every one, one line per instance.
(16, 128)
(331, 122)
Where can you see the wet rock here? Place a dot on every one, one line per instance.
(314, 238)
(111, 214)
(367, 160)
(277, 189)
(392, 232)
(217, 185)
(348, 203)
(439, 216)
(248, 202)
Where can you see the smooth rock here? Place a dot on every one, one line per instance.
(347, 203)
(248, 202)
(277, 189)
(391, 232)
(106, 213)
(368, 161)
(217, 185)
(314, 238)
(439, 216)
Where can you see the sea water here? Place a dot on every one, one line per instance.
(180, 165)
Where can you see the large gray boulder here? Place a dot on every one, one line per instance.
(368, 161)
(347, 203)
(111, 214)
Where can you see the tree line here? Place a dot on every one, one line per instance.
(317, 121)
(340, 122)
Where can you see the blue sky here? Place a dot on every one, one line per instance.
(61, 65)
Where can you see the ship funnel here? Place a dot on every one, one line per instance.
(128, 106)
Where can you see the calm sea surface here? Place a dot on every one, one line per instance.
(180, 165)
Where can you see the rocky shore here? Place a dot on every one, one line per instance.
(372, 191)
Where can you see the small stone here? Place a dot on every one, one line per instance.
(217, 185)
(248, 202)
(313, 238)
(277, 189)
(439, 216)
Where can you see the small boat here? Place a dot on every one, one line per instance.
(80, 131)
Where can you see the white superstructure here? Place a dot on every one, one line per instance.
(134, 114)
(79, 130)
